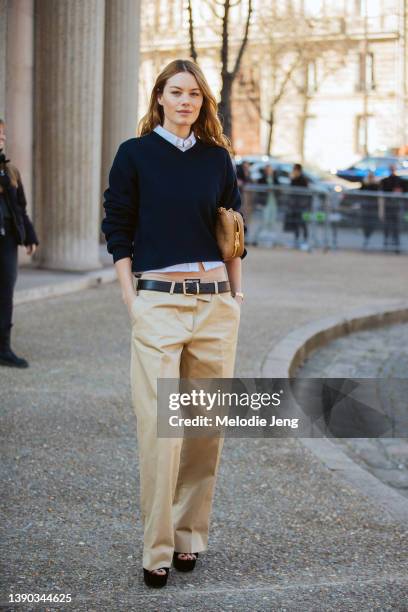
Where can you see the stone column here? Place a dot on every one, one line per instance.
(19, 92)
(16, 90)
(121, 78)
(3, 56)
(69, 43)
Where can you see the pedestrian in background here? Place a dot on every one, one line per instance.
(243, 174)
(15, 229)
(244, 178)
(369, 208)
(263, 210)
(392, 208)
(268, 200)
(297, 205)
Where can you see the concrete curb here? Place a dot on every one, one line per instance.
(289, 354)
(85, 281)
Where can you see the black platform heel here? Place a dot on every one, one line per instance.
(156, 580)
(184, 565)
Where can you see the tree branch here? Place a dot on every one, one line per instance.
(193, 52)
(244, 41)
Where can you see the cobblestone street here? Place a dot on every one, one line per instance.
(286, 533)
(381, 353)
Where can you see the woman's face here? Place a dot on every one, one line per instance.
(181, 100)
(2, 135)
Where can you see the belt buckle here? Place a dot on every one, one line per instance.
(192, 280)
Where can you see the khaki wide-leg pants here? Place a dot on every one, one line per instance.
(173, 336)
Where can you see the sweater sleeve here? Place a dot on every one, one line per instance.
(121, 206)
(231, 197)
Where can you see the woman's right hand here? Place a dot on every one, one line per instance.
(124, 272)
(128, 298)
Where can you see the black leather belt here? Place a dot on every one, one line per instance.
(188, 287)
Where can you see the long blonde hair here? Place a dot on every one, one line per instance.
(207, 127)
(11, 170)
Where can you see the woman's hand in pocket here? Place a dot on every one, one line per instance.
(239, 299)
(129, 297)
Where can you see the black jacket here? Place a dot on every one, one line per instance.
(299, 202)
(394, 183)
(393, 206)
(300, 181)
(17, 204)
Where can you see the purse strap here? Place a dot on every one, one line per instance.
(236, 235)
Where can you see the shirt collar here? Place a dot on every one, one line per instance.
(178, 142)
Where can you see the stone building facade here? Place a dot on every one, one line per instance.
(69, 96)
(355, 106)
(71, 77)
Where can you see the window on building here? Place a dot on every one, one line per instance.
(359, 8)
(164, 16)
(314, 7)
(314, 139)
(369, 8)
(361, 135)
(365, 77)
(366, 135)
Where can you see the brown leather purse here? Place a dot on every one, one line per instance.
(229, 233)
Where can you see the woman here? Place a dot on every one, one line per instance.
(298, 205)
(369, 208)
(267, 199)
(164, 188)
(15, 228)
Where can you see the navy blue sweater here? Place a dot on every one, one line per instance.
(160, 206)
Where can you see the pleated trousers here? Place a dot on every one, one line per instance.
(177, 336)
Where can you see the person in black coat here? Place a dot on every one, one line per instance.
(297, 205)
(243, 179)
(264, 208)
(269, 201)
(392, 206)
(369, 208)
(15, 228)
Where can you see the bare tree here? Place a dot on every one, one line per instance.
(193, 52)
(276, 52)
(288, 45)
(281, 80)
(227, 76)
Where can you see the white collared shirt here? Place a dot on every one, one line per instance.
(183, 144)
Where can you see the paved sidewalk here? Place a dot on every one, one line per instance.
(34, 283)
(286, 533)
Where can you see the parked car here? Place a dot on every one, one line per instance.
(253, 159)
(318, 179)
(378, 165)
(327, 186)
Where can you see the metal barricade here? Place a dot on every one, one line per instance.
(280, 215)
(371, 220)
(310, 218)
